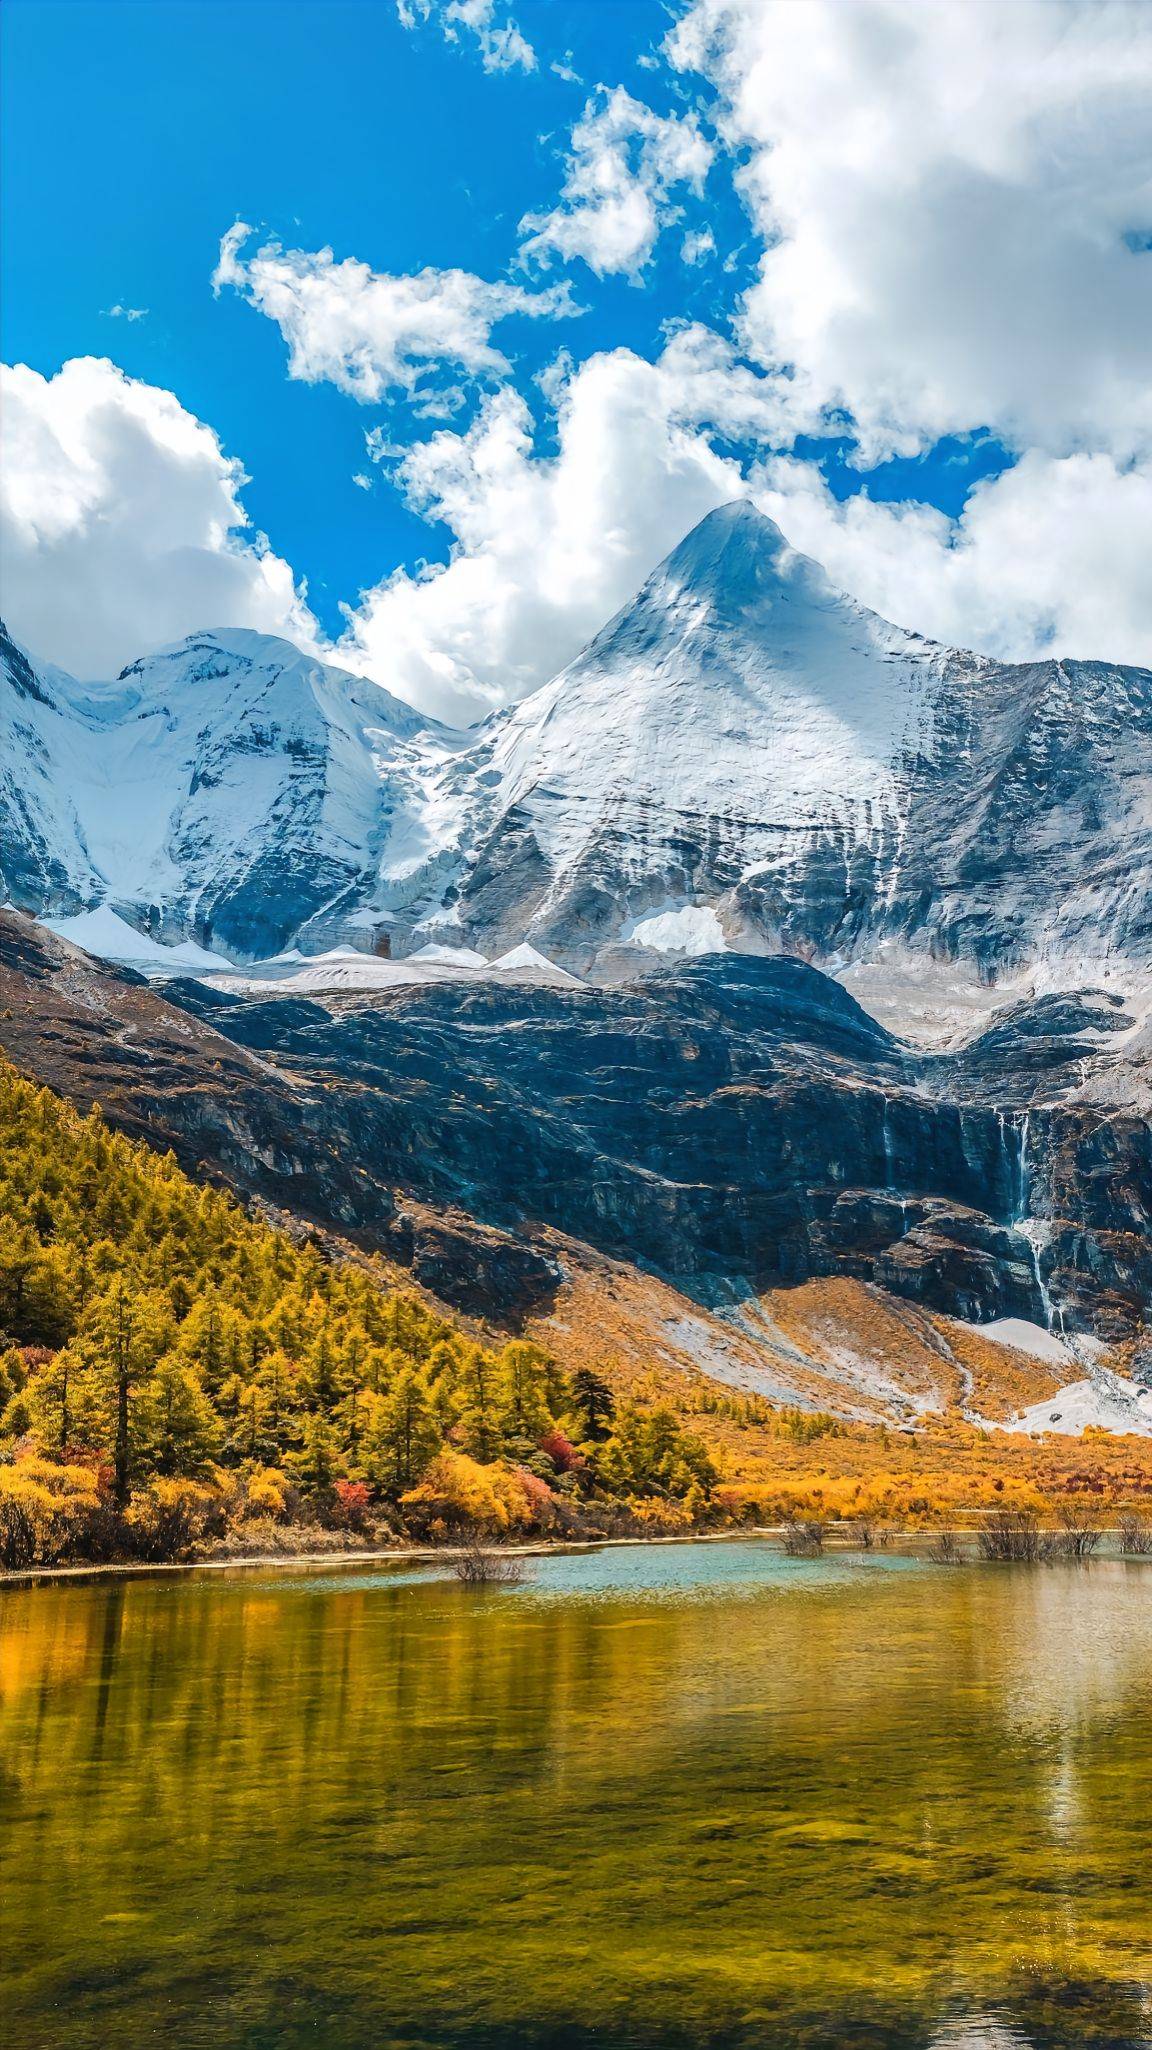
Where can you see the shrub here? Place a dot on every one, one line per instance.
(1077, 1538)
(43, 1510)
(17, 1534)
(478, 1566)
(268, 1491)
(460, 1493)
(803, 1540)
(351, 1501)
(167, 1519)
(1135, 1535)
(1011, 1535)
(558, 1447)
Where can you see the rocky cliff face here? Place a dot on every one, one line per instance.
(101, 1035)
(732, 1125)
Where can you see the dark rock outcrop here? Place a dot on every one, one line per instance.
(103, 1035)
(742, 1123)
(734, 1125)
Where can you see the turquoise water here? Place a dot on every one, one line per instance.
(691, 1795)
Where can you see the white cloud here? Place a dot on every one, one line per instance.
(501, 45)
(121, 526)
(623, 165)
(129, 313)
(1050, 558)
(944, 192)
(697, 244)
(954, 202)
(368, 332)
(546, 548)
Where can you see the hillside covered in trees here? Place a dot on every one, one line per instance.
(178, 1374)
(171, 1366)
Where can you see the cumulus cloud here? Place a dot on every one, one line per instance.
(546, 548)
(955, 209)
(121, 526)
(128, 313)
(501, 45)
(1051, 558)
(624, 163)
(368, 332)
(952, 200)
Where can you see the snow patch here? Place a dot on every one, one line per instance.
(1105, 1402)
(1024, 1336)
(526, 959)
(343, 969)
(685, 929)
(449, 957)
(104, 933)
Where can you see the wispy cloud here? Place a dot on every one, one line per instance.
(501, 44)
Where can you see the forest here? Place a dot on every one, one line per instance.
(172, 1367)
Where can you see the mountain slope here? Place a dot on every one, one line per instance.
(743, 758)
(733, 1125)
(737, 712)
(745, 739)
(229, 788)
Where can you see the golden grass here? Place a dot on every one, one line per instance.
(908, 1459)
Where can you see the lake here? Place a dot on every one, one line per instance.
(682, 1796)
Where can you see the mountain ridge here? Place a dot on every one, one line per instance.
(743, 757)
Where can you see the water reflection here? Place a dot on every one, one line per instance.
(821, 1807)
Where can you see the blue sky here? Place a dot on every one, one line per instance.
(137, 133)
(324, 124)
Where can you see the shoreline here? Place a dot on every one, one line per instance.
(423, 1555)
(434, 1555)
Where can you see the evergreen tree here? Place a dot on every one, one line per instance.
(178, 1430)
(592, 1400)
(523, 1406)
(404, 1437)
(479, 1417)
(317, 1463)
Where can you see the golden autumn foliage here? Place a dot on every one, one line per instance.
(194, 1367)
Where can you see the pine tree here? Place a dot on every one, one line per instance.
(592, 1400)
(479, 1420)
(523, 1406)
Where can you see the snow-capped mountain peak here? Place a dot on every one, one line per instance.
(738, 687)
(229, 788)
(743, 752)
